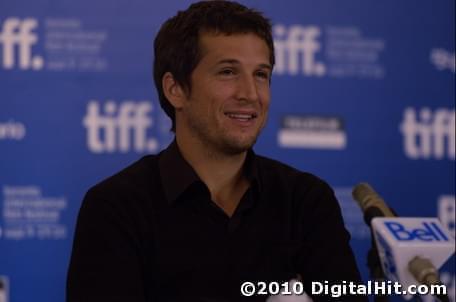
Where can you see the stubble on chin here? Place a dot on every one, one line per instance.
(237, 145)
(219, 141)
(234, 144)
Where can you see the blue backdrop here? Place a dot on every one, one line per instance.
(362, 91)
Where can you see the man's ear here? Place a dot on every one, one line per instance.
(173, 91)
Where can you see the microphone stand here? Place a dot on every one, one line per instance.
(375, 268)
(374, 206)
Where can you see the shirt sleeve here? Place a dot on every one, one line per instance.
(326, 254)
(104, 265)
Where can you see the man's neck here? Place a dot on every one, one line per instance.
(222, 173)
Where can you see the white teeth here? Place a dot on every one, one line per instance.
(241, 116)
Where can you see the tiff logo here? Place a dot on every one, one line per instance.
(428, 134)
(120, 127)
(296, 49)
(17, 34)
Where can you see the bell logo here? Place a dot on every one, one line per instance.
(428, 231)
(388, 263)
(428, 134)
(17, 32)
(295, 50)
(111, 130)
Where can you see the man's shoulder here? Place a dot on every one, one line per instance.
(136, 177)
(279, 172)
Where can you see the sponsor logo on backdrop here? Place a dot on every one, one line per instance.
(353, 217)
(333, 51)
(428, 134)
(66, 45)
(312, 131)
(447, 212)
(30, 214)
(12, 130)
(443, 59)
(120, 127)
(17, 38)
(4, 286)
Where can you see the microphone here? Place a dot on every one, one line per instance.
(370, 203)
(424, 271)
(410, 249)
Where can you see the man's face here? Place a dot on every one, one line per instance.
(230, 92)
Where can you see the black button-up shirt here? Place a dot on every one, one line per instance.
(152, 233)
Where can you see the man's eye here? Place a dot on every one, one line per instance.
(226, 72)
(262, 74)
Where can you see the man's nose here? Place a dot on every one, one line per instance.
(247, 88)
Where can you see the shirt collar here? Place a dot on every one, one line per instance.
(177, 175)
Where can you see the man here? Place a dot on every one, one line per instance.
(205, 215)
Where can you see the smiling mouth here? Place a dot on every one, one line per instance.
(243, 117)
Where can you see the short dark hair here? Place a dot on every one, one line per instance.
(176, 46)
